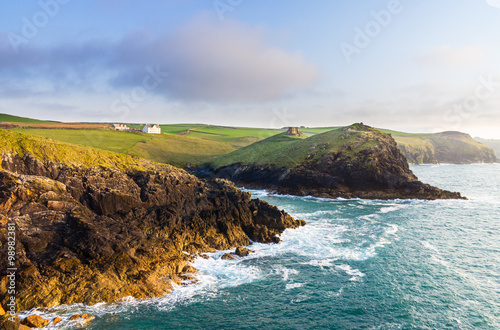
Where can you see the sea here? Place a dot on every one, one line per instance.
(357, 264)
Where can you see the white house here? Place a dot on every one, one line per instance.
(120, 127)
(148, 128)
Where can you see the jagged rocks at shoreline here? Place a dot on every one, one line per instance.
(356, 161)
(97, 234)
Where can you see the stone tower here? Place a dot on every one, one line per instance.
(294, 131)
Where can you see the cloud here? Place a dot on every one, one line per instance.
(453, 58)
(53, 106)
(228, 61)
(206, 61)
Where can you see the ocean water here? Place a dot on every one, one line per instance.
(358, 264)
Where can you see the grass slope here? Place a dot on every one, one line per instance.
(163, 148)
(444, 147)
(70, 154)
(179, 150)
(285, 151)
(236, 136)
(495, 144)
(5, 118)
(196, 143)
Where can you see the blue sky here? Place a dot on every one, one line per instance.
(419, 66)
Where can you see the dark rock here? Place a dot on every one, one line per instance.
(242, 251)
(227, 256)
(35, 321)
(189, 269)
(82, 319)
(379, 171)
(9, 322)
(448, 147)
(89, 235)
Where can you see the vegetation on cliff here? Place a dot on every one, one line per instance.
(44, 149)
(492, 143)
(444, 147)
(95, 226)
(193, 144)
(172, 149)
(284, 151)
(5, 118)
(354, 161)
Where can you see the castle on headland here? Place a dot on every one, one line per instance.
(293, 131)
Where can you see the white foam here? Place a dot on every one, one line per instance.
(291, 286)
(392, 229)
(285, 272)
(329, 239)
(335, 294)
(429, 246)
(322, 263)
(355, 274)
(393, 208)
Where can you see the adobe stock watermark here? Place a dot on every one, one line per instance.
(224, 6)
(493, 3)
(283, 119)
(129, 101)
(363, 36)
(485, 89)
(11, 271)
(31, 26)
(152, 79)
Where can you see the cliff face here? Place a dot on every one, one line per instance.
(98, 234)
(445, 147)
(360, 162)
(493, 144)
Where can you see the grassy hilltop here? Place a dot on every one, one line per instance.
(443, 147)
(184, 144)
(282, 150)
(495, 144)
(163, 148)
(5, 118)
(353, 161)
(44, 149)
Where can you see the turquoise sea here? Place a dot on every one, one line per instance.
(358, 264)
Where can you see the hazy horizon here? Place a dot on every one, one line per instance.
(410, 66)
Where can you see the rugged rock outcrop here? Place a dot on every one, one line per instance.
(35, 321)
(99, 234)
(365, 163)
(445, 147)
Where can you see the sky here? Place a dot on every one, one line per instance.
(415, 66)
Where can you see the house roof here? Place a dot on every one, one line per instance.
(153, 125)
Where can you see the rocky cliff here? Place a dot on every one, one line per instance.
(355, 161)
(445, 147)
(93, 234)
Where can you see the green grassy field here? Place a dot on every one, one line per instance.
(495, 144)
(106, 140)
(183, 144)
(5, 118)
(285, 151)
(164, 148)
(235, 136)
(179, 150)
(70, 154)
